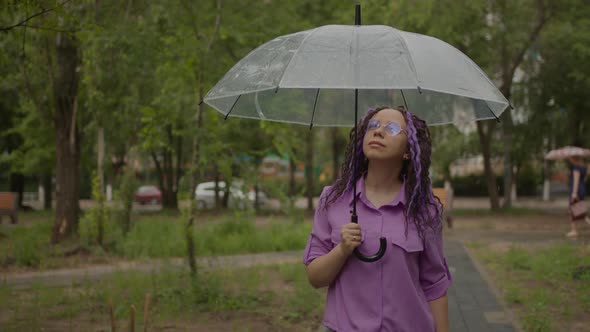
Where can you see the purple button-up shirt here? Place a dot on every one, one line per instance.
(391, 294)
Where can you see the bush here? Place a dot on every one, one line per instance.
(528, 183)
(474, 185)
(28, 251)
(126, 195)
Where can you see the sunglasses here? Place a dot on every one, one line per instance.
(391, 128)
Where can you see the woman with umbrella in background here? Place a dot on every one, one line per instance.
(577, 180)
(578, 174)
(406, 289)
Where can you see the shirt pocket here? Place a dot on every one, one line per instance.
(411, 244)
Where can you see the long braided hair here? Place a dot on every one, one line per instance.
(415, 172)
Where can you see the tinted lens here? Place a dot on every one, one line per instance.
(393, 128)
(373, 124)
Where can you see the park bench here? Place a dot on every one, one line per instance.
(446, 198)
(9, 206)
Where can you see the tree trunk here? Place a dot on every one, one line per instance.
(485, 131)
(225, 198)
(168, 174)
(256, 186)
(513, 188)
(336, 151)
(17, 185)
(178, 170)
(309, 170)
(217, 198)
(546, 173)
(100, 158)
(65, 90)
(170, 201)
(292, 170)
(47, 192)
(507, 126)
(197, 142)
(509, 65)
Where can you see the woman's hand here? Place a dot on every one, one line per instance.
(574, 197)
(350, 235)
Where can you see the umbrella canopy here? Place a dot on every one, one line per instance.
(310, 77)
(322, 76)
(567, 152)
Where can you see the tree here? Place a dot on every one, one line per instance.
(65, 92)
(27, 131)
(563, 79)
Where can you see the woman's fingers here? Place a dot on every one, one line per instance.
(351, 236)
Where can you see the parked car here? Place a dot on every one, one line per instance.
(205, 195)
(148, 195)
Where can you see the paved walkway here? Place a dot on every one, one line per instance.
(473, 305)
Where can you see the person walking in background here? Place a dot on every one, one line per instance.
(406, 290)
(577, 180)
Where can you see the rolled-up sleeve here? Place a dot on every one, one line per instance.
(435, 277)
(319, 242)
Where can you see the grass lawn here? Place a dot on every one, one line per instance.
(547, 286)
(156, 235)
(271, 298)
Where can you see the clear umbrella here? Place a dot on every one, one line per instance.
(324, 75)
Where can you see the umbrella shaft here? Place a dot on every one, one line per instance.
(355, 152)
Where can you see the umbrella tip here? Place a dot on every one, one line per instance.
(200, 102)
(357, 14)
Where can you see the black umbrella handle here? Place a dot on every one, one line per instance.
(377, 256)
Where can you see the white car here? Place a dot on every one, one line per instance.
(205, 195)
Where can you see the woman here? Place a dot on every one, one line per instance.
(577, 178)
(406, 289)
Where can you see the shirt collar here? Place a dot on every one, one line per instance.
(400, 198)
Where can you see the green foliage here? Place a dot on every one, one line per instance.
(541, 283)
(236, 233)
(29, 252)
(126, 195)
(92, 224)
(145, 66)
(518, 259)
(307, 301)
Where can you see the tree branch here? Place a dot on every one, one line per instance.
(532, 38)
(47, 28)
(217, 25)
(24, 21)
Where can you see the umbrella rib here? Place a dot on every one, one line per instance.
(232, 107)
(317, 94)
(411, 61)
(494, 114)
(269, 63)
(404, 98)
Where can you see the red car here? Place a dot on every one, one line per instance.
(148, 195)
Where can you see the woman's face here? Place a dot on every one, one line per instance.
(386, 137)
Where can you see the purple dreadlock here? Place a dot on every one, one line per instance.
(415, 172)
